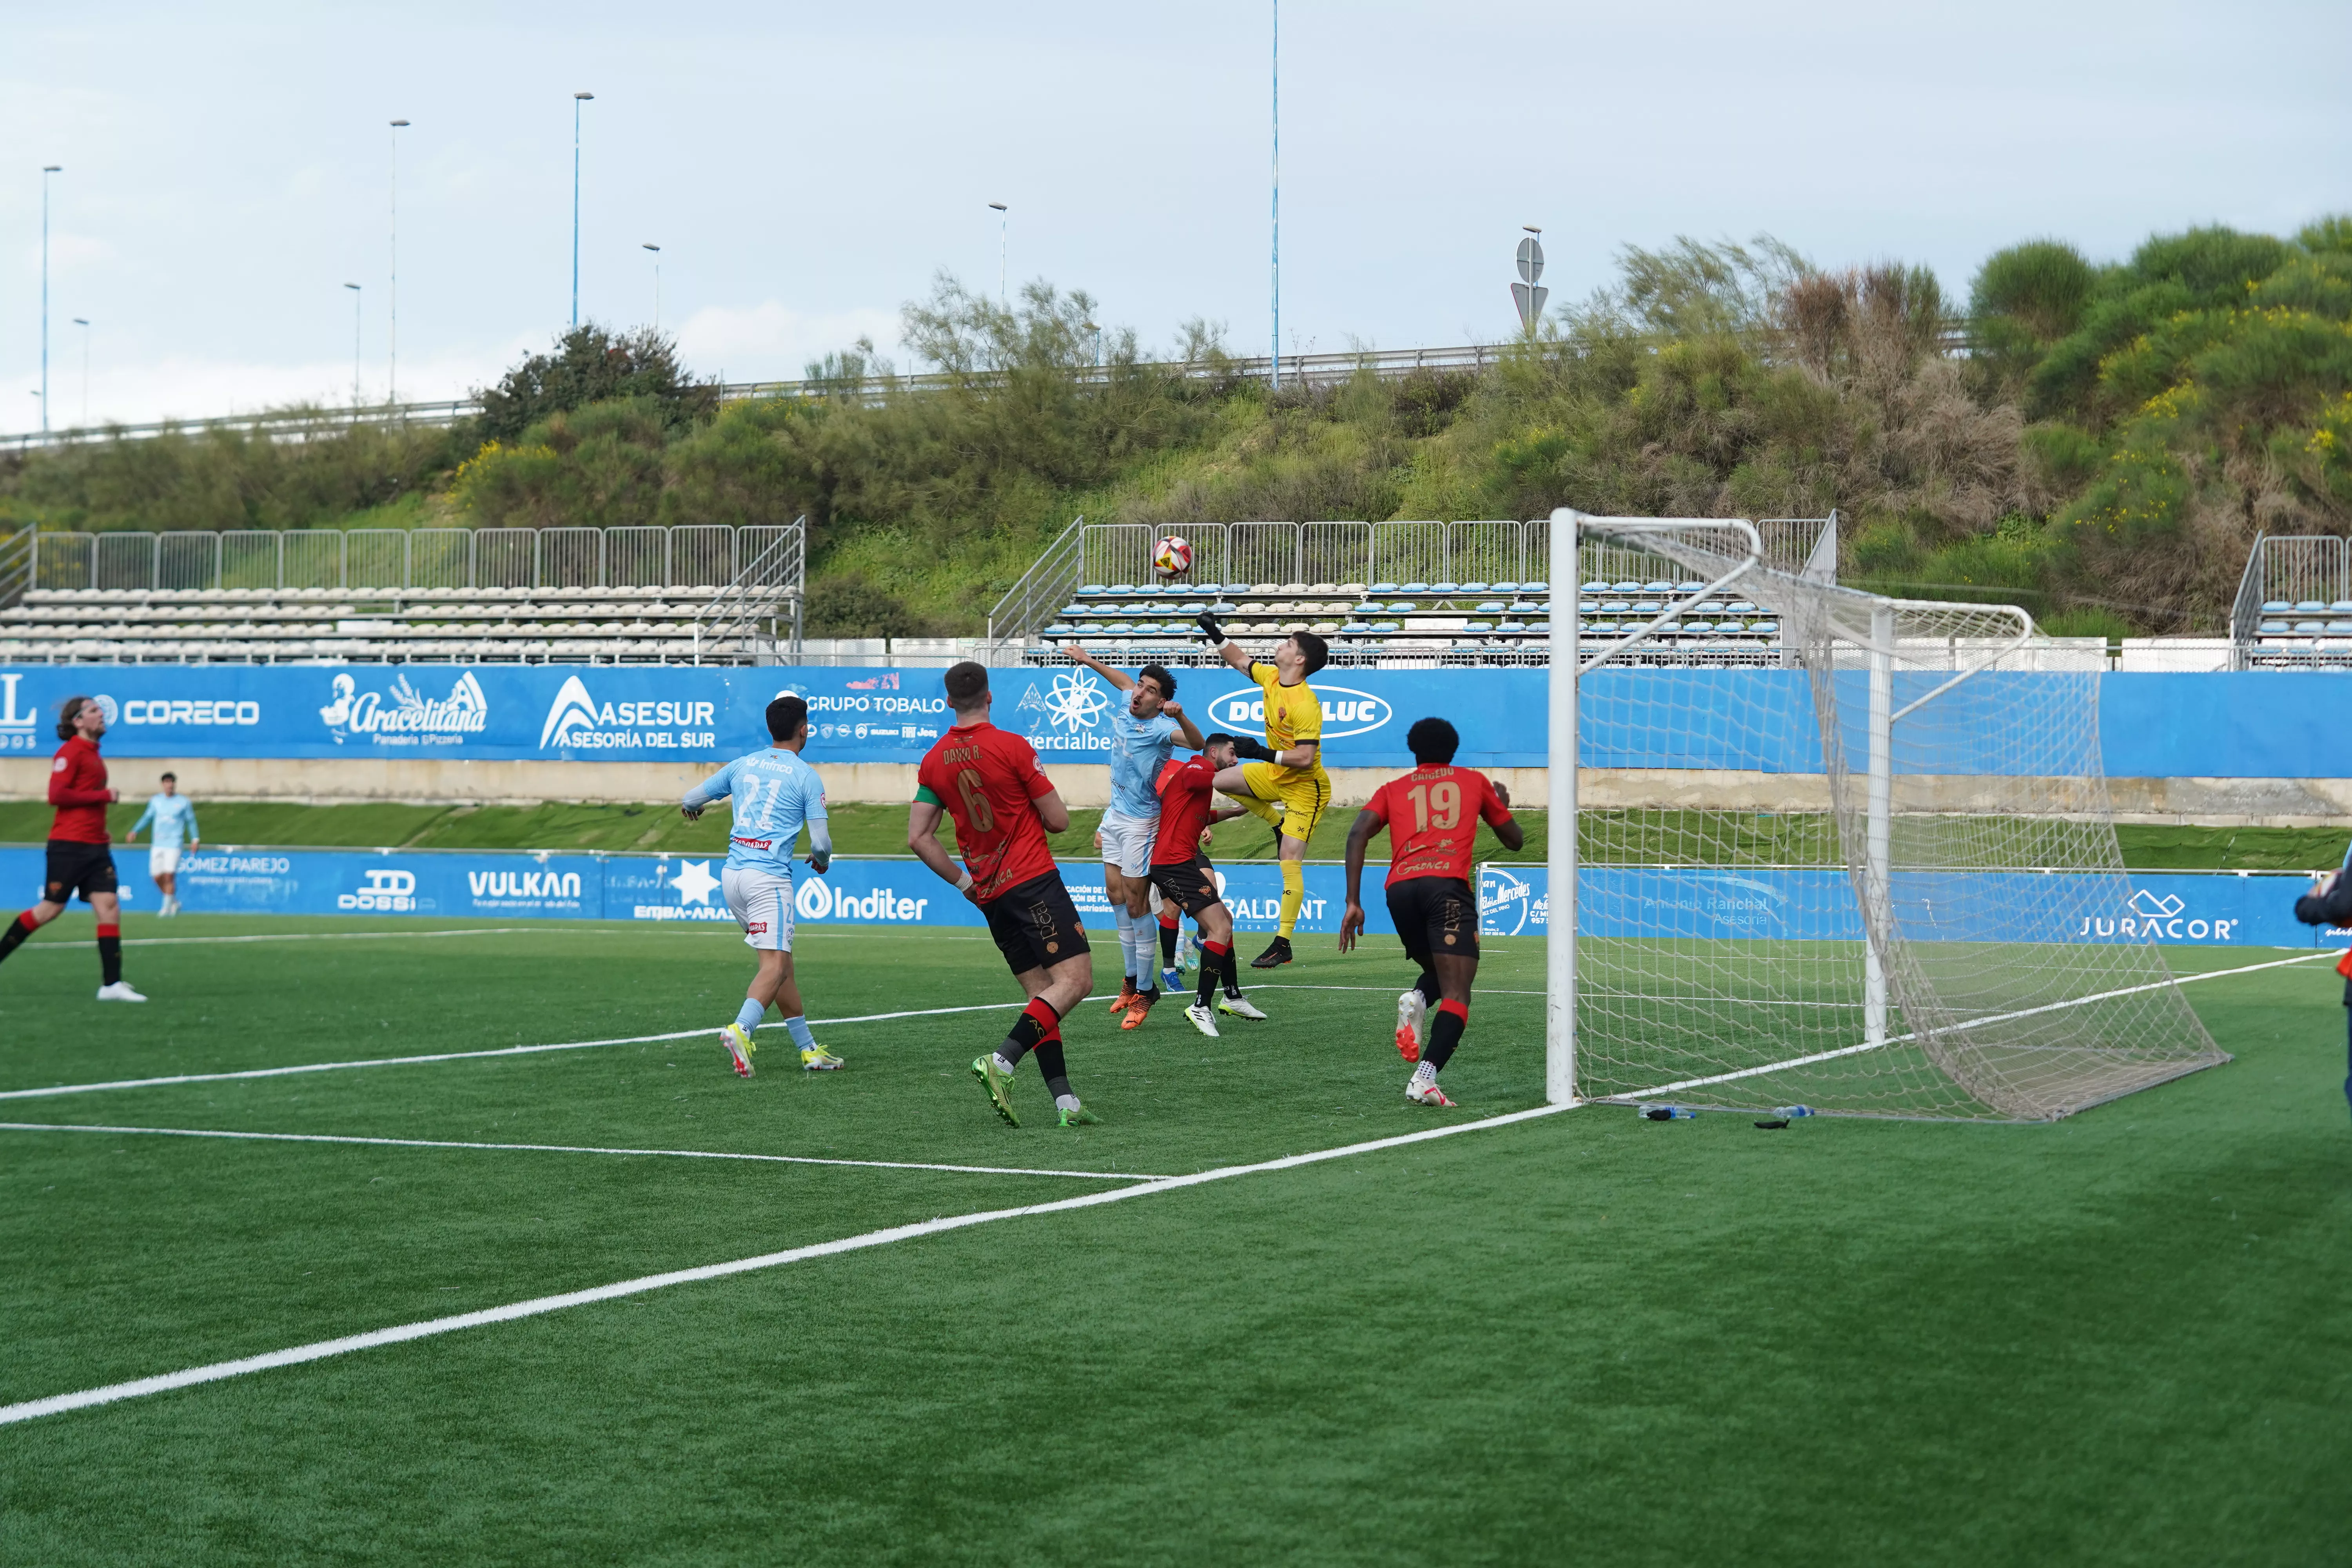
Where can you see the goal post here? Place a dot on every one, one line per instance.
(1811, 845)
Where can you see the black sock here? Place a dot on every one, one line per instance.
(1232, 973)
(1056, 1071)
(1168, 935)
(109, 960)
(1427, 987)
(1444, 1034)
(1212, 969)
(1027, 1032)
(14, 936)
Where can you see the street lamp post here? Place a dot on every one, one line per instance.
(391, 330)
(577, 99)
(46, 170)
(1004, 246)
(355, 349)
(83, 322)
(1277, 195)
(657, 250)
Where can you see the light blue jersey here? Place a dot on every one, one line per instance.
(174, 816)
(1138, 749)
(775, 793)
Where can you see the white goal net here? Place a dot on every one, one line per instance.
(1828, 849)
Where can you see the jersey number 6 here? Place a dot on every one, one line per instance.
(975, 800)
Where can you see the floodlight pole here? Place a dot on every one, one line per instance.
(83, 322)
(1004, 247)
(46, 170)
(356, 298)
(577, 99)
(391, 331)
(1277, 195)
(1560, 928)
(657, 250)
(1877, 910)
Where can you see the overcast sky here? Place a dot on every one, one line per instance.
(806, 169)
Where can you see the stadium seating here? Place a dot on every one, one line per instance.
(1411, 622)
(473, 625)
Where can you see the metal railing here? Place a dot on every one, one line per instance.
(395, 560)
(2309, 569)
(308, 424)
(1251, 555)
(769, 588)
(1028, 606)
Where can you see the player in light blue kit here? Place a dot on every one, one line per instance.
(775, 793)
(1143, 735)
(174, 816)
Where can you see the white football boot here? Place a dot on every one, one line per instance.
(119, 992)
(1240, 1007)
(1413, 1021)
(738, 1041)
(1201, 1019)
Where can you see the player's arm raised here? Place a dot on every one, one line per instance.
(923, 840)
(1186, 730)
(1120, 679)
(1213, 632)
(1367, 822)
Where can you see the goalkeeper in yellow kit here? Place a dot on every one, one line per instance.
(1287, 770)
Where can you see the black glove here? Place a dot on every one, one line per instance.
(1210, 629)
(1251, 751)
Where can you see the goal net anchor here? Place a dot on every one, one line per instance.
(1735, 912)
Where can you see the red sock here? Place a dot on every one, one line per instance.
(1167, 914)
(1459, 1009)
(25, 919)
(105, 932)
(1048, 1022)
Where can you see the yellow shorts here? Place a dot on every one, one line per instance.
(1304, 794)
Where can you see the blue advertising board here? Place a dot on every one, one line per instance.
(652, 889)
(2253, 724)
(2209, 909)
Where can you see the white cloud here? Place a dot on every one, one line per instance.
(769, 342)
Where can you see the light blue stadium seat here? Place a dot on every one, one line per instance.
(1413, 588)
(1377, 588)
(1648, 606)
(1354, 628)
(1118, 629)
(2274, 628)
(1596, 587)
(1141, 588)
(2312, 627)
(1387, 627)
(1658, 587)
(1446, 588)
(1531, 589)
(2302, 606)
(1489, 607)
(1766, 629)
(1060, 630)
(1506, 587)
(1472, 588)
(1094, 588)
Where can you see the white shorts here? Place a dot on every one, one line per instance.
(163, 860)
(762, 905)
(1127, 842)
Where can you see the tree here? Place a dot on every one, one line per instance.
(588, 364)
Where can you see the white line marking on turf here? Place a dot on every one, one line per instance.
(569, 1149)
(59, 1403)
(309, 936)
(1969, 1024)
(465, 1056)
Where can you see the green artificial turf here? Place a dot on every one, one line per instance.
(2124, 1338)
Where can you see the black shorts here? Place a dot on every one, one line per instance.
(1036, 925)
(1189, 887)
(83, 869)
(1435, 917)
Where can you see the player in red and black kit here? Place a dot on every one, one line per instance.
(1433, 815)
(1188, 794)
(79, 860)
(1003, 805)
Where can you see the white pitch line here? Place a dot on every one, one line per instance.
(309, 936)
(538, 1306)
(1969, 1024)
(465, 1056)
(567, 1149)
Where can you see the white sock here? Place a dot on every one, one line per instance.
(1146, 956)
(1066, 1102)
(1004, 1067)
(1125, 941)
(1425, 1073)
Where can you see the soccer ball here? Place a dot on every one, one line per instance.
(1171, 557)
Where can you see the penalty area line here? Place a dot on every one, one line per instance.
(566, 1149)
(58, 1403)
(167, 1081)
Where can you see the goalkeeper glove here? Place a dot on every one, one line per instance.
(1210, 629)
(1251, 751)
